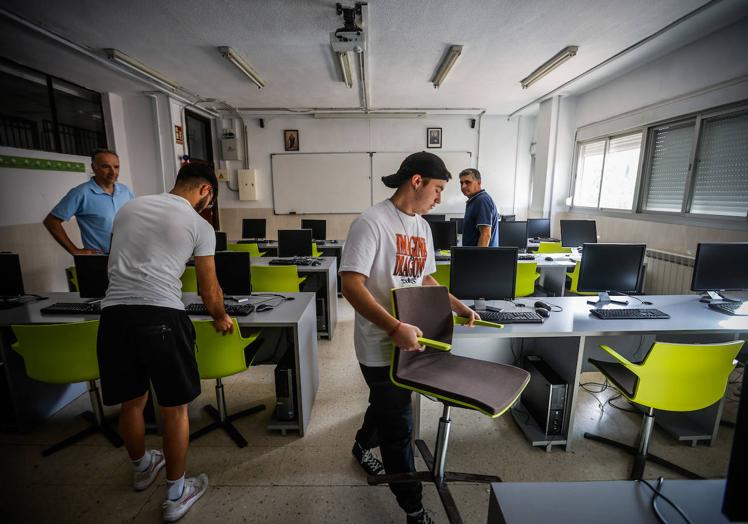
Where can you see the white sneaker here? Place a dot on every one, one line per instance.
(142, 479)
(194, 488)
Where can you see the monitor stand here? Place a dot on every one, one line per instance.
(480, 305)
(603, 298)
(715, 296)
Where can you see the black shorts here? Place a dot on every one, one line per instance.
(141, 344)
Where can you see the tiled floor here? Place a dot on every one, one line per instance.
(312, 479)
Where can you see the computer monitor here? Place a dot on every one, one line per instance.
(93, 278)
(459, 222)
(444, 234)
(294, 242)
(253, 228)
(611, 267)
(575, 233)
(513, 234)
(11, 283)
(483, 273)
(434, 218)
(221, 242)
(720, 267)
(318, 227)
(507, 218)
(733, 504)
(233, 271)
(538, 228)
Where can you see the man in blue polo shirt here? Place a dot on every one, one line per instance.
(94, 204)
(481, 225)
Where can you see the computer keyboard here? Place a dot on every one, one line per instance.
(628, 314)
(525, 257)
(295, 261)
(511, 317)
(730, 308)
(537, 239)
(233, 310)
(442, 258)
(72, 308)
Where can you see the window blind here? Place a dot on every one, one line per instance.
(669, 167)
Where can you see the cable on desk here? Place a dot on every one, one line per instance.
(658, 494)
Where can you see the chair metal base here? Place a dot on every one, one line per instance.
(226, 423)
(640, 460)
(94, 427)
(442, 486)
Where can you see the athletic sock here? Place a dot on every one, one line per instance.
(142, 463)
(174, 488)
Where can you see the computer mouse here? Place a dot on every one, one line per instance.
(549, 259)
(542, 312)
(542, 305)
(263, 307)
(316, 263)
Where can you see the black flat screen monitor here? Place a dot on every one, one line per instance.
(11, 281)
(318, 227)
(483, 273)
(434, 218)
(459, 222)
(221, 241)
(733, 504)
(253, 228)
(513, 234)
(444, 235)
(507, 218)
(91, 271)
(538, 228)
(575, 233)
(232, 269)
(611, 267)
(294, 242)
(720, 267)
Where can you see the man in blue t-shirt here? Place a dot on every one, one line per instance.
(94, 205)
(481, 225)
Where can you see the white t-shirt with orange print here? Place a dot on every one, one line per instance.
(392, 249)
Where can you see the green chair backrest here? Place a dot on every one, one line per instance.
(252, 249)
(527, 274)
(189, 280)
(574, 276)
(684, 377)
(315, 252)
(220, 355)
(552, 247)
(277, 279)
(59, 353)
(442, 274)
(72, 277)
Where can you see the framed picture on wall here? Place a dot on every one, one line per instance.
(434, 137)
(291, 139)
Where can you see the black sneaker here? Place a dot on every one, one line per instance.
(371, 464)
(422, 518)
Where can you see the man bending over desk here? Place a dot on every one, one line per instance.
(146, 336)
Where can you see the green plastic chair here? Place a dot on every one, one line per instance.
(672, 377)
(316, 252)
(574, 281)
(220, 356)
(552, 247)
(276, 279)
(66, 354)
(252, 249)
(72, 277)
(527, 274)
(189, 280)
(442, 274)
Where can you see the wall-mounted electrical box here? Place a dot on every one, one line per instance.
(247, 184)
(229, 149)
(222, 175)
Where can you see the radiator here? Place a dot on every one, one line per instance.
(667, 273)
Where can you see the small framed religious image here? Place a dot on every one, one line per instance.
(434, 137)
(291, 139)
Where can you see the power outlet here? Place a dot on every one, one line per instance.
(222, 175)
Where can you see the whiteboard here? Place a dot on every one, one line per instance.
(453, 201)
(321, 182)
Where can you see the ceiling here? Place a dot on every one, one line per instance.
(288, 44)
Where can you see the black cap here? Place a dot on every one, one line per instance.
(426, 164)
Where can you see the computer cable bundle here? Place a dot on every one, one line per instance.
(657, 493)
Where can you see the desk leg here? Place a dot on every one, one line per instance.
(553, 279)
(416, 403)
(571, 401)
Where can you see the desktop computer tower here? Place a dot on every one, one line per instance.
(285, 385)
(545, 396)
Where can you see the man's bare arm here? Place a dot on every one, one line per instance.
(212, 294)
(54, 226)
(485, 236)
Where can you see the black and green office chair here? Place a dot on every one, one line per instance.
(552, 247)
(527, 275)
(455, 381)
(71, 275)
(189, 280)
(251, 248)
(672, 377)
(276, 279)
(220, 356)
(442, 274)
(66, 354)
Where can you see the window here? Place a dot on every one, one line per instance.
(44, 113)
(199, 144)
(607, 171)
(670, 151)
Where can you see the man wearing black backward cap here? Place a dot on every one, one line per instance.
(389, 246)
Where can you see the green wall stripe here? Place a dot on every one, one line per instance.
(21, 162)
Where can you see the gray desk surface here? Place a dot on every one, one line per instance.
(325, 264)
(608, 502)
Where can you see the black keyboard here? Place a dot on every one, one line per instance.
(525, 257)
(731, 308)
(72, 308)
(442, 258)
(233, 310)
(628, 314)
(295, 261)
(511, 317)
(536, 239)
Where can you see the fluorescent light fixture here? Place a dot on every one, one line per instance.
(243, 66)
(139, 67)
(361, 114)
(449, 60)
(345, 68)
(558, 59)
